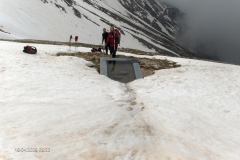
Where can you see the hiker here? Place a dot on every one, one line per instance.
(70, 40)
(76, 38)
(113, 41)
(104, 38)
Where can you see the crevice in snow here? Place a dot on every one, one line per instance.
(4, 31)
(60, 7)
(77, 13)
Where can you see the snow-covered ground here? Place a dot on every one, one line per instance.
(190, 112)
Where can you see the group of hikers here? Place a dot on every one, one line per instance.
(71, 37)
(111, 40)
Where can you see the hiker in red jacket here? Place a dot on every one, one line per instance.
(76, 38)
(112, 42)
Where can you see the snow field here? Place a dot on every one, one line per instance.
(190, 112)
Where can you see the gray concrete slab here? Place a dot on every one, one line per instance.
(120, 69)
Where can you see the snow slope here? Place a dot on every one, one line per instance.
(190, 112)
(56, 20)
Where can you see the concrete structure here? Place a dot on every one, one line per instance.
(120, 69)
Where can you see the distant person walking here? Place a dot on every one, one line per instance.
(76, 38)
(70, 40)
(104, 39)
(113, 41)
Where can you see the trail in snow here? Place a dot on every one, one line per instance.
(191, 112)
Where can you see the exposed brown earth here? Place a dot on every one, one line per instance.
(148, 66)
